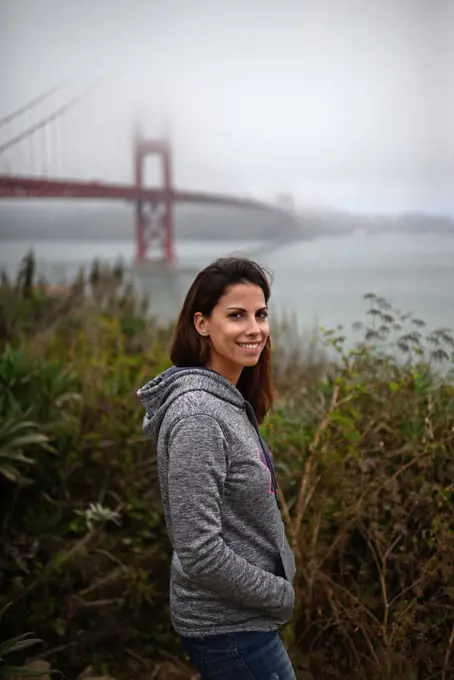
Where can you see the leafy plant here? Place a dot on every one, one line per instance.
(13, 646)
(16, 435)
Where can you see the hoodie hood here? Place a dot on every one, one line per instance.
(160, 392)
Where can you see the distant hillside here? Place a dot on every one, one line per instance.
(113, 222)
(86, 221)
(325, 222)
(413, 222)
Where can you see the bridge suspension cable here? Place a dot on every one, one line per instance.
(33, 102)
(48, 119)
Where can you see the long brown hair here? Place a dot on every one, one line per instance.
(189, 348)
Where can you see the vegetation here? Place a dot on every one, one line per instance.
(13, 646)
(364, 451)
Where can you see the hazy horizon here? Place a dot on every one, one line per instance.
(345, 105)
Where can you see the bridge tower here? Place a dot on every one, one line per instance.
(154, 220)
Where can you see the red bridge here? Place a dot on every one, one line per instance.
(153, 205)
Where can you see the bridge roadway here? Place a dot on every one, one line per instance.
(29, 187)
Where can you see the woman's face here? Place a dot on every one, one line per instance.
(237, 329)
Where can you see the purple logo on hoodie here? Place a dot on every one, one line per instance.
(264, 462)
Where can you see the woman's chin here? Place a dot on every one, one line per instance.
(250, 361)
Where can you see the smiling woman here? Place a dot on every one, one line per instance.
(232, 567)
(237, 329)
(223, 325)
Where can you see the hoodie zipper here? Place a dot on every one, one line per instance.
(252, 417)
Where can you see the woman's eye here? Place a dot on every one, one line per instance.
(238, 315)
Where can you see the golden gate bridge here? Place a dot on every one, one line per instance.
(153, 206)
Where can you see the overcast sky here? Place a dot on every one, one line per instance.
(341, 102)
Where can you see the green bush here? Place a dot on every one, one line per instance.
(366, 460)
(364, 454)
(15, 646)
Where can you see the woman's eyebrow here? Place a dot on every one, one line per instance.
(241, 309)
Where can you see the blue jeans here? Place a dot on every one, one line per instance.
(239, 656)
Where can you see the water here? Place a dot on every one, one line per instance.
(320, 281)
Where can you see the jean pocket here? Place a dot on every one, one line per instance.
(220, 662)
(250, 640)
(219, 644)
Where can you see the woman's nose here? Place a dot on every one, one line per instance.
(253, 328)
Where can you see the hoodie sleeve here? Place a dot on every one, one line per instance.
(197, 472)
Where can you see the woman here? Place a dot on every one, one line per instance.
(232, 567)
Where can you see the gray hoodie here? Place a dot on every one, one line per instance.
(232, 567)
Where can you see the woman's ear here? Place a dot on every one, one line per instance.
(201, 324)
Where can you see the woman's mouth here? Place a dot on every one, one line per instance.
(250, 346)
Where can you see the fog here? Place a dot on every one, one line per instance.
(346, 103)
